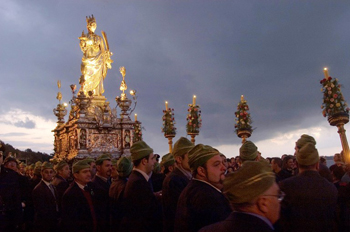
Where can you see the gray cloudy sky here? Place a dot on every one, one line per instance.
(272, 52)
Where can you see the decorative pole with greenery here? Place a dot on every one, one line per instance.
(335, 108)
(194, 121)
(138, 130)
(243, 126)
(169, 128)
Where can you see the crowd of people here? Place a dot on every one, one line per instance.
(194, 188)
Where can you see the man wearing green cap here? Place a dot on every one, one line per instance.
(45, 200)
(116, 192)
(202, 203)
(61, 179)
(310, 200)
(255, 198)
(101, 183)
(175, 182)
(142, 210)
(249, 152)
(78, 205)
(10, 194)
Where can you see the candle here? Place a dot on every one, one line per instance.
(242, 98)
(194, 100)
(325, 70)
(135, 117)
(166, 105)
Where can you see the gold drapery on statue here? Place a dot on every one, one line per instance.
(96, 58)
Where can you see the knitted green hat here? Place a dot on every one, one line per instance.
(140, 150)
(249, 182)
(10, 159)
(200, 154)
(305, 139)
(38, 164)
(103, 157)
(60, 165)
(80, 165)
(248, 151)
(167, 160)
(46, 165)
(124, 167)
(181, 147)
(114, 162)
(307, 155)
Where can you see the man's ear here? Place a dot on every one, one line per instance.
(98, 167)
(178, 159)
(201, 171)
(262, 204)
(144, 161)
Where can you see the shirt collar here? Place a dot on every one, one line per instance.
(262, 218)
(103, 178)
(208, 184)
(188, 174)
(47, 183)
(80, 185)
(143, 173)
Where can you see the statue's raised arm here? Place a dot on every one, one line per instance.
(96, 58)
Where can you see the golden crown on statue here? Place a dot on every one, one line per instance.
(90, 19)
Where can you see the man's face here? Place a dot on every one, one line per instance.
(65, 172)
(184, 163)
(215, 171)
(47, 174)
(290, 164)
(273, 165)
(224, 161)
(150, 163)
(105, 168)
(273, 205)
(83, 176)
(12, 165)
(93, 168)
(114, 172)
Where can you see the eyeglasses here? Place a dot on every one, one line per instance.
(280, 196)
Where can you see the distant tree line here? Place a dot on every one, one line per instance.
(27, 156)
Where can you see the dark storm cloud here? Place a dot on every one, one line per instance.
(272, 52)
(26, 124)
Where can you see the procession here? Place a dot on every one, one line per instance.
(105, 175)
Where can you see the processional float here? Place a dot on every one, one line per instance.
(335, 108)
(243, 127)
(93, 127)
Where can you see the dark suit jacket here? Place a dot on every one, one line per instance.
(200, 205)
(101, 190)
(61, 185)
(309, 204)
(76, 214)
(46, 214)
(116, 194)
(173, 185)
(142, 210)
(239, 222)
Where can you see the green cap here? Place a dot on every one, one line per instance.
(305, 139)
(60, 165)
(46, 165)
(114, 162)
(10, 159)
(37, 170)
(307, 155)
(124, 167)
(103, 157)
(80, 165)
(167, 160)
(248, 151)
(182, 146)
(200, 154)
(249, 182)
(140, 150)
(38, 164)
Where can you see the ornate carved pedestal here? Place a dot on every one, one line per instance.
(170, 142)
(244, 134)
(193, 135)
(339, 120)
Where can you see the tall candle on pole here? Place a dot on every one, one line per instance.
(326, 75)
(194, 100)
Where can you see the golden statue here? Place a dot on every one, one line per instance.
(96, 58)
